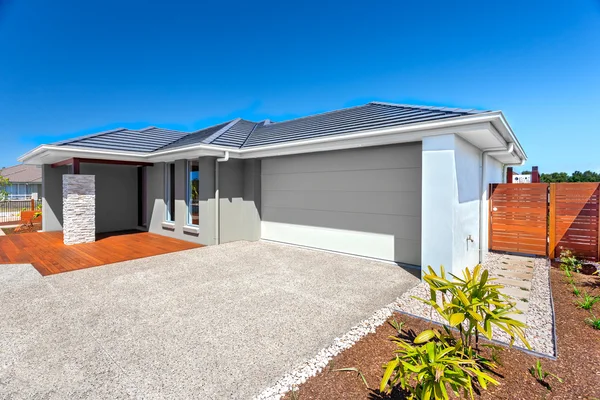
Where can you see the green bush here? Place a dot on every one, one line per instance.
(569, 262)
(438, 362)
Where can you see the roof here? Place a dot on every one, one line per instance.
(22, 173)
(143, 140)
(240, 133)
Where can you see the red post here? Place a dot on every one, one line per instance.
(535, 175)
(509, 175)
(32, 204)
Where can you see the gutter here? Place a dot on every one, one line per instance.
(482, 200)
(217, 198)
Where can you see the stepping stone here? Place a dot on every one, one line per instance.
(520, 317)
(513, 282)
(515, 293)
(518, 275)
(522, 306)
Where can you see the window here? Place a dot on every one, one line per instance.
(170, 192)
(193, 185)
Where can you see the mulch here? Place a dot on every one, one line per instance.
(578, 361)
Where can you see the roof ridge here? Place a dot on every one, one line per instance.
(431, 108)
(77, 139)
(256, 124)
(221, 131)
(319, 114)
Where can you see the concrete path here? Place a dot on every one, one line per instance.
(217, 322)
(515, 273)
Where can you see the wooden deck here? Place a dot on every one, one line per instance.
(47, 253)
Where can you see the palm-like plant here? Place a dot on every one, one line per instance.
(473, 305)
(427, 370)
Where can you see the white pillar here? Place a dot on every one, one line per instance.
(437, 222)
(451, 196)
(79, 209)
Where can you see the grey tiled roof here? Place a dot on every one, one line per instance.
(144, 140)
(198, 137)
(350, 120)
(240, 133)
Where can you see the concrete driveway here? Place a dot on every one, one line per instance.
(217, 322)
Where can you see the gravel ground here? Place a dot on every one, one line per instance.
(211, 323)
(539, 316)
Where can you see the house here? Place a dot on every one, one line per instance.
(401, 183)
(25, 181)
(521, 178)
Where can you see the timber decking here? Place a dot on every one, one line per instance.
(49, 255)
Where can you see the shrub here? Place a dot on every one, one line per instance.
(593, 322)
(587, 301)
(426, 370)
(473, 305)
(540, 375)
(569, 262)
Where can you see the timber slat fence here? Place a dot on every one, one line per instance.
(544, 219)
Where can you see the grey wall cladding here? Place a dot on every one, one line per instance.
(374, 191)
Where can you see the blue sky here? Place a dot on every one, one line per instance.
(70, 67)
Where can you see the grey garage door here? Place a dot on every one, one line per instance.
(364, 201)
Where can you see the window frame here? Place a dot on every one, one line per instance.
(170, 174)
(188, 194)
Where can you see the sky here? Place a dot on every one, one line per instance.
(69, 68)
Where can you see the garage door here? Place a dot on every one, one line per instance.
(365, 202)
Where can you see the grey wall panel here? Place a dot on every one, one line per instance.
(379, 180)
(116, 196)
(239, 203)
(387, 157)
(363, 201)
(394, 203)
(52, 203)
(240, 200)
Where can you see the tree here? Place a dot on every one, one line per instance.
(577, 176)
(4, 184)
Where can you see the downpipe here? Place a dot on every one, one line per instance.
(218, 199)
(482, 199)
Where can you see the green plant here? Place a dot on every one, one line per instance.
(569, 262)
(473, 305)
(426, 370)
(568, 274)
(593, 322)
(495, 352)
(4, 184)
(540, 375)
(397, 325)
(576, 291)
(360, 374)
(587, 301)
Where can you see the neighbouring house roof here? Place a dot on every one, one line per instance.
(240, 133)
(22, 173)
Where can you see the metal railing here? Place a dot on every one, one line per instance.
(10, 210)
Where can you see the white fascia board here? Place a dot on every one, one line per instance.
(489, 130)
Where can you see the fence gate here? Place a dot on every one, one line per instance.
(519, 218)
(573, 222)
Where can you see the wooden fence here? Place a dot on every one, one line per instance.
(544, 219)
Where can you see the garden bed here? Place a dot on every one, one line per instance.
(22, 229)
(578, 361)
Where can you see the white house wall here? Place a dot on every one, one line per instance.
(451, 198)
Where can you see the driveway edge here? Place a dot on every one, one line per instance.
(312, 367)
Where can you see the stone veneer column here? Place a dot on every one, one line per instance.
(79, 209)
